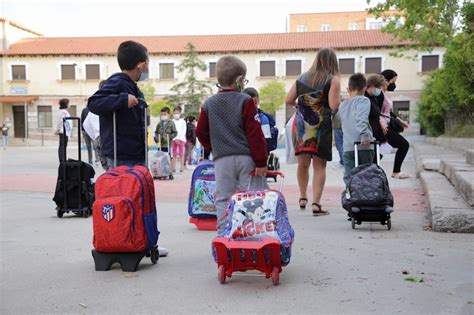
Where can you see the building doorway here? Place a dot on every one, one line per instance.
(19, 121)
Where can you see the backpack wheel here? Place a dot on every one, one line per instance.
(60, 213)
(85, 213)
(275, 276)
(389, 224)
(154, 255)
(221, 274)
(353, 223)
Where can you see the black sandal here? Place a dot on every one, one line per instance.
(319, 211)
(303, 206)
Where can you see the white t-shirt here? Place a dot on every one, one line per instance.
(59, 127)
(180, 128)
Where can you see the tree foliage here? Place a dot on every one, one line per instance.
(155, 108)
(190, 92)
(449, 90)
(148, 90)
(420, 24)
(272, 96)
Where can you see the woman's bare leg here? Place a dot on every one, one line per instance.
(319, 178)
(302, 173)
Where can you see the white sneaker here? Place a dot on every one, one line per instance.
(162, 251)
(337, 166)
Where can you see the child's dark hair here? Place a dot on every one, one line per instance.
(357, 82)
(191, 118)
(251, 91)
(177, 108)
(165, 110)
(63, 103)
(228, 69)
(130, 54)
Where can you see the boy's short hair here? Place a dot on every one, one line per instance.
(357, 82)
(251, 91)
(63, 103)
(165, 110)
(130, 54)
(228, 69)
(177, 108)
(191, 118)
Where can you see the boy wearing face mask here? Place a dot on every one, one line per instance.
(120, 94)
(179, 140)
(165, 130)
(228, 126)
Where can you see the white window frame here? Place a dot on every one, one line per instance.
(354, 26)
(420, 55)
(325, 27)
(382, 65)
(267, 58)
(93, 62)
(302, 59)
(157, 66)
(68, 63)
(208, 61)
(348, 56)
(301, 28)
(368, 21)
(17, 63)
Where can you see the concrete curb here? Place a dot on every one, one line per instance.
(447, 209)
(457, 144)
(470, 157)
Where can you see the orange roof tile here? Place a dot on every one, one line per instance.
(203, 43)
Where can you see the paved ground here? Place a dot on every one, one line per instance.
(46, 265)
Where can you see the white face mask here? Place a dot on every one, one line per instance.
(164, 117)
(377, 92)
(176, 116)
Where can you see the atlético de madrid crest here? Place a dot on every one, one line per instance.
(108, 212)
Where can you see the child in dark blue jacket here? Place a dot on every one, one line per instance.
(120, 94)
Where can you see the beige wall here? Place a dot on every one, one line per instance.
(43, 77)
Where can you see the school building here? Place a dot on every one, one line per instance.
(38, 71)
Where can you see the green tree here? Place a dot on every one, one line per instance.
(272, 96)
(420, 24)
(190, 92)
(148, 90)
(155, 108)
(447, 95)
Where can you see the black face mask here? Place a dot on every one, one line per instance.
(391, 87)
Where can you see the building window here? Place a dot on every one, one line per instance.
(301, 28)
(267, 68)
(293, 67)
(325, 27)
(166, 70)
(68, 72)
(212, 70)
(45, 117)
(375, 25)
(72, 109)
(19, 72)
(347, 66)
(353, 27)
(92, 72)
(402, 110)
(429, 63)
(373, 65)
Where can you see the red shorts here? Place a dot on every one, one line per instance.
(178, 149)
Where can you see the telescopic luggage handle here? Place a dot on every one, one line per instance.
(78, 135)
(377, 150)
(275, 173)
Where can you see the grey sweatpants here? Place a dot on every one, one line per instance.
(232, 175)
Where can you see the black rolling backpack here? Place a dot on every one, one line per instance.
(367, 197)
(74, 187)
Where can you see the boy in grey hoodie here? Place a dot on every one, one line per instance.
(354, 113)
